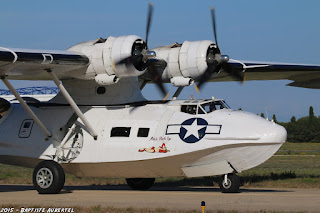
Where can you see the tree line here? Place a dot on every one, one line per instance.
(305, 129)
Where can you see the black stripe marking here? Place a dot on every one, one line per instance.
(6, 56)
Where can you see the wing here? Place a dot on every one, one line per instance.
(302, 75)
(32, 64)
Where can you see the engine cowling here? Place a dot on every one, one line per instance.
(188, 60)
(110, 57)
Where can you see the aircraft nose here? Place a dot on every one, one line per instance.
(266, 131)
(276, 133)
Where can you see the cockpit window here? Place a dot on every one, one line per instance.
(204, 108)
(4, 107)
(190, 109)
(210, 107)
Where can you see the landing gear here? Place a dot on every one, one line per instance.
(140, 183)
(48, 177)
(229, 183)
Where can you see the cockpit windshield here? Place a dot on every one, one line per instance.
(4, 107)
(203, 107)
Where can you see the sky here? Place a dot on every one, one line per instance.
(273, 30)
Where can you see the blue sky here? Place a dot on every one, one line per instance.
(281, 31)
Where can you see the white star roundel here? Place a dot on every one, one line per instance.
(193, 130)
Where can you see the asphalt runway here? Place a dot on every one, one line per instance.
(291, 200)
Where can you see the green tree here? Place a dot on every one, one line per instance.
(306, 129)
(311, 113)
(274, 118)
(262, 115)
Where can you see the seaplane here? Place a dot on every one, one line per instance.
(100, 125)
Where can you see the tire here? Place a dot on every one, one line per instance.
(48, 177)
(233, 184)
(140, 183)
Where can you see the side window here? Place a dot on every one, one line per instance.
(190, 109)
(143, 132)
(120, 132)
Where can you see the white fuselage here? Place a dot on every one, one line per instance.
(153, 140)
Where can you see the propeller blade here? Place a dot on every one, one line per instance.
(196, 87)
(166, 97)
(149, 18)
(244, 79)
(155, 70)
(214, 25)
(207, 74)
(131, 59)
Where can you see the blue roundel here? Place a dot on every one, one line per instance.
(193, 130)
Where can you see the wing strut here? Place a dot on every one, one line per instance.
(73, 104)
(177, 93)
(26, 107)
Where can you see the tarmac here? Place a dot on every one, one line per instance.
(171, 198)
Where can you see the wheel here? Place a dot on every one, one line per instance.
(140, 183)
(232, 185)
(48, 177)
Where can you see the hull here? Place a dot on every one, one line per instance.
(175, 143)
(210, 162)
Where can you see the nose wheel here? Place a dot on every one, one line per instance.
(229, 183)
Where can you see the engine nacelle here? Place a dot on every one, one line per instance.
(105, 55)
(188, 60)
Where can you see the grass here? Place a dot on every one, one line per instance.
(294, 165)
(15, 174)
(299, 149)
(285, 171)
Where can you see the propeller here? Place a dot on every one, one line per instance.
(143, 59)
(140, 54)
(216, 61)
(155, 66)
